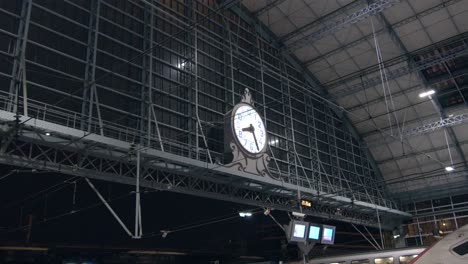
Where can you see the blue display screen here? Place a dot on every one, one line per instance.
(327, 234)
(314, 232)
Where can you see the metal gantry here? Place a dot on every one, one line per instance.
(74, 152)
(164, 85)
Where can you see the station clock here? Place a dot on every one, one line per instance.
(245, 138)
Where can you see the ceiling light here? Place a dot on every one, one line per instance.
(245, 214)
(449, 168)
(47, 133)
(396, 236)
(426, 93)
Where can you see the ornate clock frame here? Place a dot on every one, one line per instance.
(243, 160)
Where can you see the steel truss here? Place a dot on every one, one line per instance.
(427, 128)
(401, 71)
(74, 152)
(426, 12)
(87, 145)
(328, 29)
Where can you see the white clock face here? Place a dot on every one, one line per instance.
(249, 129)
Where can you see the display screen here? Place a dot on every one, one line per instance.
(314, 232)
(299, 230)
(328, 234)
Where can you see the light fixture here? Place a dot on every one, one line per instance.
(181, 65)
(47, 133)
(449, 168)
(164, 233)
(443, 224)
(245, 214)
(396, 236)
(426, 93)
(273, 142)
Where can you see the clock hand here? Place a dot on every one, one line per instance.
(248, 129)
(253, 133)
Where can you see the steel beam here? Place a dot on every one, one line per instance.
(441, 59)
(328, 17)
(114, 214)
(333, 27)
(415, 154)
(455, 82)
(427, 128)
(432, 82)
(400, 23)
(107, 159)
(19, 64)
(270, 4)
(399, 72)
(90, 95)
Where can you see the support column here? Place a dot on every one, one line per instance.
(199, 127)
(90, 96)
(148, 112)
(18, 74)
(289, 132)
(138, 226)
(262, 83)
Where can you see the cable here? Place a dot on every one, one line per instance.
(193, 226)
(56, 187)
(68, 213)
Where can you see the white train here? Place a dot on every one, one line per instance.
(452, 249)
(393, 256)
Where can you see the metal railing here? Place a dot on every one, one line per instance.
(65, 117)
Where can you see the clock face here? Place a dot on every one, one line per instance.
(249, 129)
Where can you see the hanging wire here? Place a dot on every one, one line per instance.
(448, 146)
(380, 63)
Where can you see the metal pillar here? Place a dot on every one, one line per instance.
(147, 106)
(262, 84)
(18, 73)
(90, 96)
(138, 226)
(229, 67)
(293, 174)
(199, 127)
